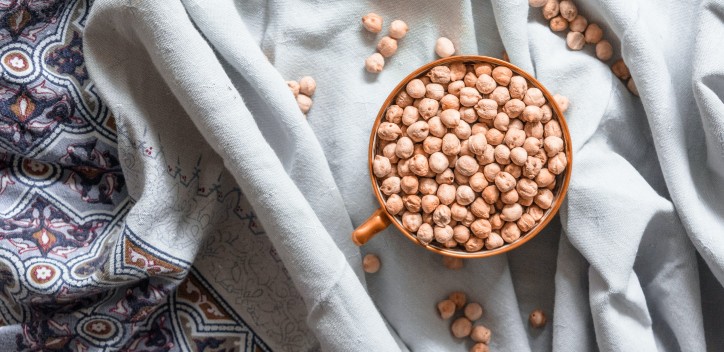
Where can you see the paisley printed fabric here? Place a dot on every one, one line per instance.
(74, 276)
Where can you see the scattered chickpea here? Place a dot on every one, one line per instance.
(375, 63)
(371, 263)
(620, 69)
(304, 102)
(578, 24)
(558, 24)
(568, 10)
(444, 47)
(575, 40)
(307, 86)
(604, 50)
(461, 327)
(593, 34)
(398, 29)
(481, 334)
(481, 347)
(446, 309)
(372, 22)
(551, 9)
(294, 87)
(537, 319)
(473, 311)
(562, 102)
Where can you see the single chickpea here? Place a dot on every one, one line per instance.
(307, 86)
(502, 120)
(429, 203)
(553, 145)
(532, 113)
(514, 170)
(398, 29)
(568, 10)
(604, 50)
(450, 118)
(468, 115)
(578, 24)
(480, 334)
(527, 188)
(557, 163)
(517, 87)
(463, 131)
(502, 75)
(534, 129)
(558, 24)
(434, 91)
(393, 114)
(294, 87)
(502, 154)
(416, 89)
(495, 222)
(480, 208)
(481, 347)
(485, 84)
(514, 138)
(536, 212)
(534, 96)
(494, 137)
(526, 222)
(469, 96)
(411, 221)
(491, 171)
(445, 178)
(390, 185)
(544, 198)
(439, 74)
(410, 115)
(427, 186)
(526, 202)
(460, 179)
(493, 241)
(478, 182)
(491, 194)
(455, 86)
(404, 100)
(470, 80)
(444, 47)
(488, 155)
(459, 298)
(409, 184)
(537, 3)
(452, 263)
(464, 195)
(375, 63)
(428, 107)
(381, 166)
(461, 327)
(575, 40)
(511, 212)
(551, 9)
(482, 68)
(518, 156)
(438, 162)
(532, 167)
(547, 113)
(473, 311)
(593, 34)
(544, 178)
(467, 165)
(458, 212)
(304, 102)
(537, 319)
(450, 101)
(510, 232)
(425, 234)
(394, 204)
(514, 107)
(405, 147)
(457, 71)
(443, 233)
(432, 144)
(389, 152)
(620, 69)
(461, 234)
(509, 197)
(450, 144)
(418, 131)
(418, 165)
(372, 22)
(474, 244)
(516, 124)
(469, 218)
(387, 46)
(446, 193)
(504, 181)
(552, 128)
(501, 95)
(371, 263)
(446, 308)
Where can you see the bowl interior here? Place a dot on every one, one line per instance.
(562, 180)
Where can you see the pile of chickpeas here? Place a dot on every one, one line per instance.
(468, 156)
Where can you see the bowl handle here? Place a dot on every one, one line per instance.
(374, 224)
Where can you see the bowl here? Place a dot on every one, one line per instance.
(381, 219)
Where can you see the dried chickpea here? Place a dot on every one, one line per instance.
(393, 114)
(394, 204)
(459, 299)
(518, 156)
(404, 100)
(446, 309)
(461, 234)
(543, 199)
(371, 263)
(443, 234)
(502, 154)
(450, 101)
(558, 24)
(381, 166)
(372, 22)
(502, 120)
(473, 311)
(463, 131)
(375, 63)
(514, 138)
(439, 74)
(446, 177)
(493, 241)
(410, 115)
(467, 165)
(526, 222)
(509, 197)
(409, 185)
(502, 75)
(544, 178)
(428, 107)
(575, 40)
(485, 84)
(481, 347)
(304, 102)
(553, 145)
(532, 167)
(398, 29)
(390, 185)
(405, 148)
(547, 113)
(562, 102)
(438, 162)
(387, 46)
(593, 34)
(474, 244)
(620, 69)
(418, 131)
(513, 108)
(536, 212)
(537, 319)
(534, 129)
(294, 87)
(418, 165)
(552, 128)
(444, 47)
(501, 95)
(487, 109)
(446, 193)
(461, 327)
(425, 233)
(482, 68)
(604, 50)
(517, 87)
(411, 221)
(307, 86)
(468, 115)
(458, 212)
(469, 96)
(534, 96)
(490, 171)
(434, 91)
(480, 334)
(578, 24)
(416, 89)
(450, 144)
(510, 232)
(557, 163)
(512, 212)
(527, 188)
(568, 10)
(537, 3)
(457, 71)
(551, 9)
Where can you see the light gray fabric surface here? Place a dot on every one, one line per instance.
(619, 272)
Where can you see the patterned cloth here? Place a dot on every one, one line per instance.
(73, 275)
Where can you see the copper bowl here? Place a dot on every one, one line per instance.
(380, 219)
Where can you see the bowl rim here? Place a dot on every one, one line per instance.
(562, 187)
